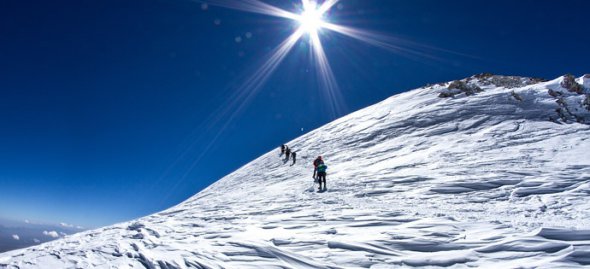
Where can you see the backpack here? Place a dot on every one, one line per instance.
(322, 168)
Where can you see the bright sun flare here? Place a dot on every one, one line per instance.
(311, 18)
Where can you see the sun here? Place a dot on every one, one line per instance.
(311, 19)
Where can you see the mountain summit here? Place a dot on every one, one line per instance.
(488, 171)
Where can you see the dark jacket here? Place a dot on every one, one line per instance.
(317, 162)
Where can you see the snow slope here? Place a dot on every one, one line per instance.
(496, 174)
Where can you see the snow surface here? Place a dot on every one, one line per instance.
(485, 180)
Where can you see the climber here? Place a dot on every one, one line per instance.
(287, 153)
(316, 162)
(294, 155)
(282, 149)
(322, 176)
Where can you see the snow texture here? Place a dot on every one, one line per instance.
(493, 177)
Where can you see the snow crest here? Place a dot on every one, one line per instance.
(491, 172)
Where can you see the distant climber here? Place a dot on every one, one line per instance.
(316, 163)
(294, 156)
(322, 176)
(287, 153)
(282, 149)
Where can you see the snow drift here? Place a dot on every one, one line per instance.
(489, 171)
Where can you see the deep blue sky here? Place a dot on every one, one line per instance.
(106, 107)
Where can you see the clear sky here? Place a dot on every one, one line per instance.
(112, 110)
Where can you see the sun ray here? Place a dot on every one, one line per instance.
(311, 20)
(327, 80)
(327, 5)
(225, 115)
(307, 4)
(406, 48)
(243, 94)
(381, 41)
(253, 84)
(253, 6)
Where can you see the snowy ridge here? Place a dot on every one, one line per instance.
(491, 172)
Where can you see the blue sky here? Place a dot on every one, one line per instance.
(112, 110)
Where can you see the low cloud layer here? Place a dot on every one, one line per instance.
(53, 234)
(63, 224)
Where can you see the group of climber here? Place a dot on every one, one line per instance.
(288, 153)
(319, 167)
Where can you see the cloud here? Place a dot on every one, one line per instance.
(27, 221)
(15, 237)
(63, 224)
(36, 240)
(53, 234)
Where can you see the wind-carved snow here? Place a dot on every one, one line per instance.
(495, 179)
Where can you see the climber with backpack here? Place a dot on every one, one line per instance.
(316, 163)
(322, 176)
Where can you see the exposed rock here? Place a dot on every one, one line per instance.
(569, 83)
(509, 82)
(474, 84)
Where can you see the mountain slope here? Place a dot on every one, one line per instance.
(489, 171)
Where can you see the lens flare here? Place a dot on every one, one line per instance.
(310, 19)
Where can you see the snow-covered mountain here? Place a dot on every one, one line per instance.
(489, 171)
